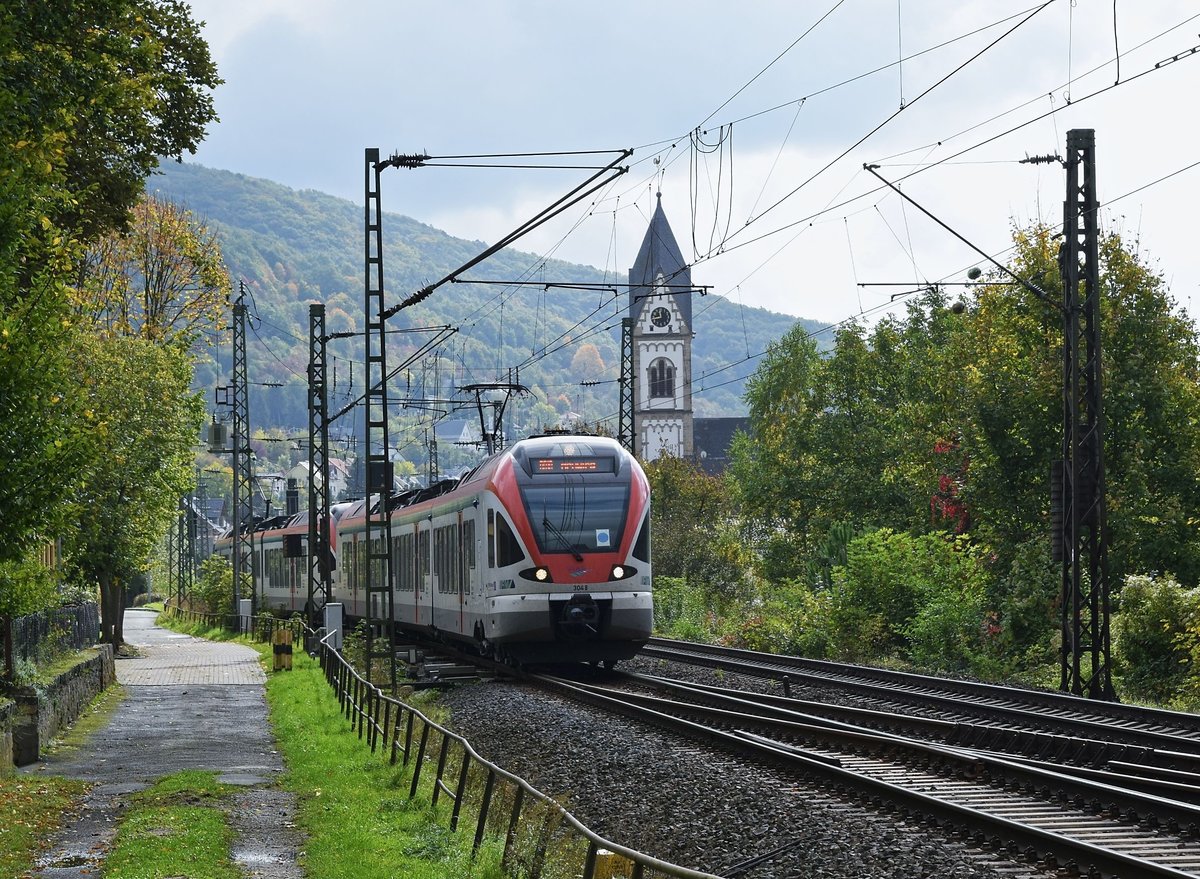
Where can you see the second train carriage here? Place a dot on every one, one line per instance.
(541, 553)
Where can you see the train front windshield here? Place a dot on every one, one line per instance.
(574, 514)
(576, 496)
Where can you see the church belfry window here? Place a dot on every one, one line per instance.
(662, 378)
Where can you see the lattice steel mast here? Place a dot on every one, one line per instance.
(1084, 536)
(625, 427)
(320, 547)
(243, 489)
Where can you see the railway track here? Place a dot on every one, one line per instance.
(1026, 812)
(1079, 730)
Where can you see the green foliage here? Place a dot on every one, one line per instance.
(302, 247)
(916, 597)
(790, 617)
(693, 528)
(26, 586)
(214, 584)
(681, 610)
(94, 94)
(1150, 635)
(940, 421)
(1020, 630)
(147, 423)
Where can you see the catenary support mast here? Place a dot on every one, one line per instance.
(1086, 661)
(243, 497)
(320, 546)
(379, 575)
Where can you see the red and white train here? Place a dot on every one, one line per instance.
(541, 553)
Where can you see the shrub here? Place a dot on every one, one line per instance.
(144, 598)
(1152, 633)
(681, 610)
(214, 584)
(790, 618)
(919, 597)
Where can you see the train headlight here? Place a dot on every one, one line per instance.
(618, 572)
(540, 574)
(621, 572)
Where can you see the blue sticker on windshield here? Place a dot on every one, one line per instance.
(602, 538)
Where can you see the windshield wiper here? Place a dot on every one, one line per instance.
(562, 537)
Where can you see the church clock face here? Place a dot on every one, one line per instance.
(660, 317)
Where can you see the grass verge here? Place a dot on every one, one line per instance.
(178, 821)
(31, 809)
(353, 805)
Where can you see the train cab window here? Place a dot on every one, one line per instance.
(641, 549)
(508, 550)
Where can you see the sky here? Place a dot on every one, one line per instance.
(753, 120)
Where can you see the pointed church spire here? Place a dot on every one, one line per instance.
(660, 255)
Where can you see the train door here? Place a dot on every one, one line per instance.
(424, 574)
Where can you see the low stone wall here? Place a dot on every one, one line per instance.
(7, 710)
(42, 712)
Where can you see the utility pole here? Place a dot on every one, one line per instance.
(243, 487)
(320, 551)
(1083, 539)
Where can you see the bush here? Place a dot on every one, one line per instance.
(790, 618)
(214, 584)
(144, 598)
(1152, 633)
(681, 610)
(1021, 634)
(917, 597)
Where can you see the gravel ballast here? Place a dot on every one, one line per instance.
(683, 803)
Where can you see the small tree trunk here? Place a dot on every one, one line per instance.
(119, 619)
(110, 610)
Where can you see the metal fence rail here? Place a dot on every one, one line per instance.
(48, 633)
(541, 839)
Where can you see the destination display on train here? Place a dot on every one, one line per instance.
(573, 465)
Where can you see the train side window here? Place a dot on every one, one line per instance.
(508, 551)
(491, 538)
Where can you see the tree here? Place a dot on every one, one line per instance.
(587, 362)
(91, 95)
(692, 526)
(162, 279)
(115, 85)
(776, 469)
(949, 419)
(148, 420)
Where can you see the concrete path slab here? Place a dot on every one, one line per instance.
(190, 704)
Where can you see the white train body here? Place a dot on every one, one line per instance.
(541, 553)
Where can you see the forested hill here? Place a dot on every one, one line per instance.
(296, 247)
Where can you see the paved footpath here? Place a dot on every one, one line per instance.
(190, 704)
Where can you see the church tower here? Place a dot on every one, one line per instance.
(660, 310)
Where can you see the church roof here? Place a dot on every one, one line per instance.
(660, 254)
